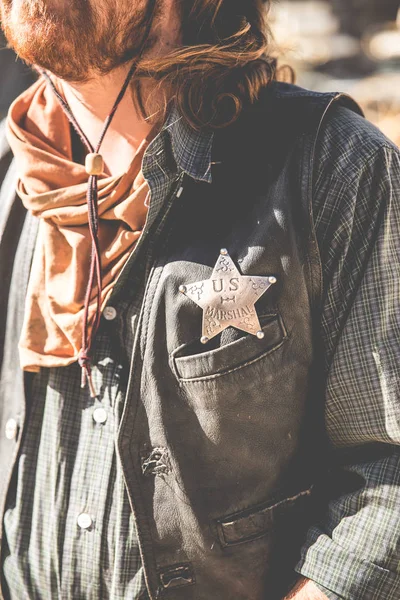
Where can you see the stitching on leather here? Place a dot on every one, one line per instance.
(133, 411)
(196, 339)
(238, 368)
(248, 363)
(249, 514)
(179, 569)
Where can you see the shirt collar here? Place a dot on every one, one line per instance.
(191, 148)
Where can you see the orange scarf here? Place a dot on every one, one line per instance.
(53, 188)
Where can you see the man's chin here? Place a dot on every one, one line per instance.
(73, 44)
(42, 35)
(45, 46)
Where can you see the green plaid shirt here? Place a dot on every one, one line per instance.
(69, 529)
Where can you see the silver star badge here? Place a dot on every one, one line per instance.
(228, 299)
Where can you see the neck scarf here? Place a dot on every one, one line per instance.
(53, 187)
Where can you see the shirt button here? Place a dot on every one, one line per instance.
(100, 415)
(11, 429)
(109, 313)
(84, 521)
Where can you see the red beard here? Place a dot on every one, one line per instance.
(80, 40)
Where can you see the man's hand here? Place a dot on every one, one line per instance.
(305, 590)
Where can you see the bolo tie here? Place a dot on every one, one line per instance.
(94, 166)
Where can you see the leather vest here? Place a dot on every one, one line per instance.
(221, 445)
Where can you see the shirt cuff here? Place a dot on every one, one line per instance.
(343, 576)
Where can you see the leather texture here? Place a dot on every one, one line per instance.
(218, 444)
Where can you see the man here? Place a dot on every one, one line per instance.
(207, 402)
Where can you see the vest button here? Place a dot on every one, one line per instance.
(11, 429)
(84, 521)
(109, 313)
(100, 415)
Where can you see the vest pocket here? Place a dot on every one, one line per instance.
(257, 522)
(190, 365)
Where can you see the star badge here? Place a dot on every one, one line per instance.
(228, 299)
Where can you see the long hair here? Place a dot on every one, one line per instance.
(221, 66)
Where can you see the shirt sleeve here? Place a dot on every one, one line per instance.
(353, 551)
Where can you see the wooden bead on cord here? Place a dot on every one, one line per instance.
(94, 164)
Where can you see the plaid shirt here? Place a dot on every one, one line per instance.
(69, 528)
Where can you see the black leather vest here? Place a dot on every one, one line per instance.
(235, 426)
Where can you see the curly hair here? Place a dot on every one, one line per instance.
(222, 64)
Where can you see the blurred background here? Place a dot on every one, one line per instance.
(345, 45)
(14, 76)
(340, 45)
